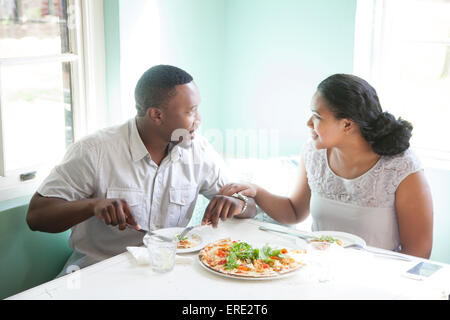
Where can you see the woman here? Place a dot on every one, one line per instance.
(357, 174)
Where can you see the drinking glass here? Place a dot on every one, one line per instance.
(162, 253)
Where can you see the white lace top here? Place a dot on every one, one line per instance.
(364, 206)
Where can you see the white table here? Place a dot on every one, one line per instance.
(356, 275)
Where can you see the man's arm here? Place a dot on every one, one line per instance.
(54, 215)
(68, 188)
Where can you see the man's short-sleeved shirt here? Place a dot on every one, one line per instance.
(114, 163)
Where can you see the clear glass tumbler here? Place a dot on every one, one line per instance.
(162, 253)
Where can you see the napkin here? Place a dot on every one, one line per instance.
(142, 257)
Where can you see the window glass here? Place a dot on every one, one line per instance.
(36, 113)
(409, 65)
(33, 28)
(414, 73)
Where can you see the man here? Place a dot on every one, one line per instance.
(143, 175)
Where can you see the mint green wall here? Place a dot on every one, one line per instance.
(112, 58)
(192, 34)
(439, 181)
(184, 33)
(276, 54)
(257, 62)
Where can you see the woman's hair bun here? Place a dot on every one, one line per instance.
(387, 135)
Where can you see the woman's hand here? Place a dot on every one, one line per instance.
(246, 189)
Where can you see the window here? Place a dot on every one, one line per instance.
(403, 49)
(45, 49)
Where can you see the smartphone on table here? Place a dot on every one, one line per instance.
(423, 270)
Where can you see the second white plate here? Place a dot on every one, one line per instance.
(346, 238)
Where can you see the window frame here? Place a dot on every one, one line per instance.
(88, 89)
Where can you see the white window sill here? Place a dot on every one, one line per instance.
(433, 159)
(12, 188)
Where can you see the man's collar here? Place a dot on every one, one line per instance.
(138, 149)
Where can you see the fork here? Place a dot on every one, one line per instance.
(386, 254)
(185, 232)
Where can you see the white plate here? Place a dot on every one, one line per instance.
(232, 276)
(346, 238)
(194, 235)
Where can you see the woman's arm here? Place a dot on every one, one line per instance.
(414, 208)
(287, 210)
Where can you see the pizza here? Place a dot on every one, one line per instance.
(240, 259)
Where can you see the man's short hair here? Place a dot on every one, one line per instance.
(157, 85)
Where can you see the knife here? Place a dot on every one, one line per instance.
(163, 238)
(301, 236)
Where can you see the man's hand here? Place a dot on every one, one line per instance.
(115, 212)
(221, 207)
